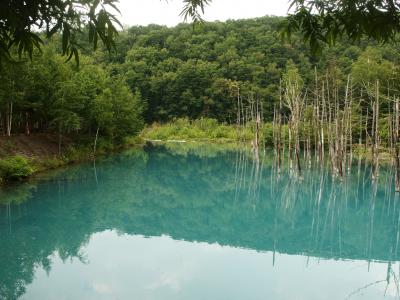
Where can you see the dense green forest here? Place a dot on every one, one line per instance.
(156, 74)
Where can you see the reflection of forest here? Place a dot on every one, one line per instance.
(200, 194)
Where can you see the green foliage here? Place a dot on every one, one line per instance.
(50, 95)
(21, 20)
(195, 72)
(127, 109)
(186, 130)
(15, 167)
(371, 66)
(292, 77)
(194, 9)
(323, 22)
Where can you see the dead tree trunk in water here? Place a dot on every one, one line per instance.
(280, 127)
(294, 100)
(238, 113)
(257, 133)
(9, 117)
(95, 141)
(375, 132)
(396, 145)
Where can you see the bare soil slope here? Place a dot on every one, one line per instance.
(33, 145)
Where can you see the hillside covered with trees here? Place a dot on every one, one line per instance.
(156, 74)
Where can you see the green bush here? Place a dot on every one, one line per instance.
(15, 167)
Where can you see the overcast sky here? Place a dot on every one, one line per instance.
(144, 12)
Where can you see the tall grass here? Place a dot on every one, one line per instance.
(203, 129)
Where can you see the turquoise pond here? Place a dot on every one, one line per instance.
(179, 221)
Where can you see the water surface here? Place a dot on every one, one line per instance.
(197, 222)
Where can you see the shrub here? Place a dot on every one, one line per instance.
(15, 167)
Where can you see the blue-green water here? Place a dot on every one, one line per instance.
(199, 223)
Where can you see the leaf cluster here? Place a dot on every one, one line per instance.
(325, 21)
(22, 22)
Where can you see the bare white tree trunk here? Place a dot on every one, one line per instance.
(9, 118)
(95, 141)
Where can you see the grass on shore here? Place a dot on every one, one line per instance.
(203, 129)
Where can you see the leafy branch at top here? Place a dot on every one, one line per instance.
(20, 22)
(324, 21)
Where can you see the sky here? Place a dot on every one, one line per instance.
(144, 12)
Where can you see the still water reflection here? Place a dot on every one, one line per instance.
(181, 222)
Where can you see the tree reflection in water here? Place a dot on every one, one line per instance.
(198, 193)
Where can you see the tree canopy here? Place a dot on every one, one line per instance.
(319, 21)
(324, 21)
(164, 73)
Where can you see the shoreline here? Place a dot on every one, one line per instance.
(37, 161)
(78, 153)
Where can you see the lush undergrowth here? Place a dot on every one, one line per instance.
(15, 167)
(203, 129)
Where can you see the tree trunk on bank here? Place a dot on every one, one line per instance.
(27, 129)
(9, 118)
(95, 141)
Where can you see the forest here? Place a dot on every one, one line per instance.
(214, 70)
(156, 74)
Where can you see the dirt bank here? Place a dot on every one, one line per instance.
(38, 145)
